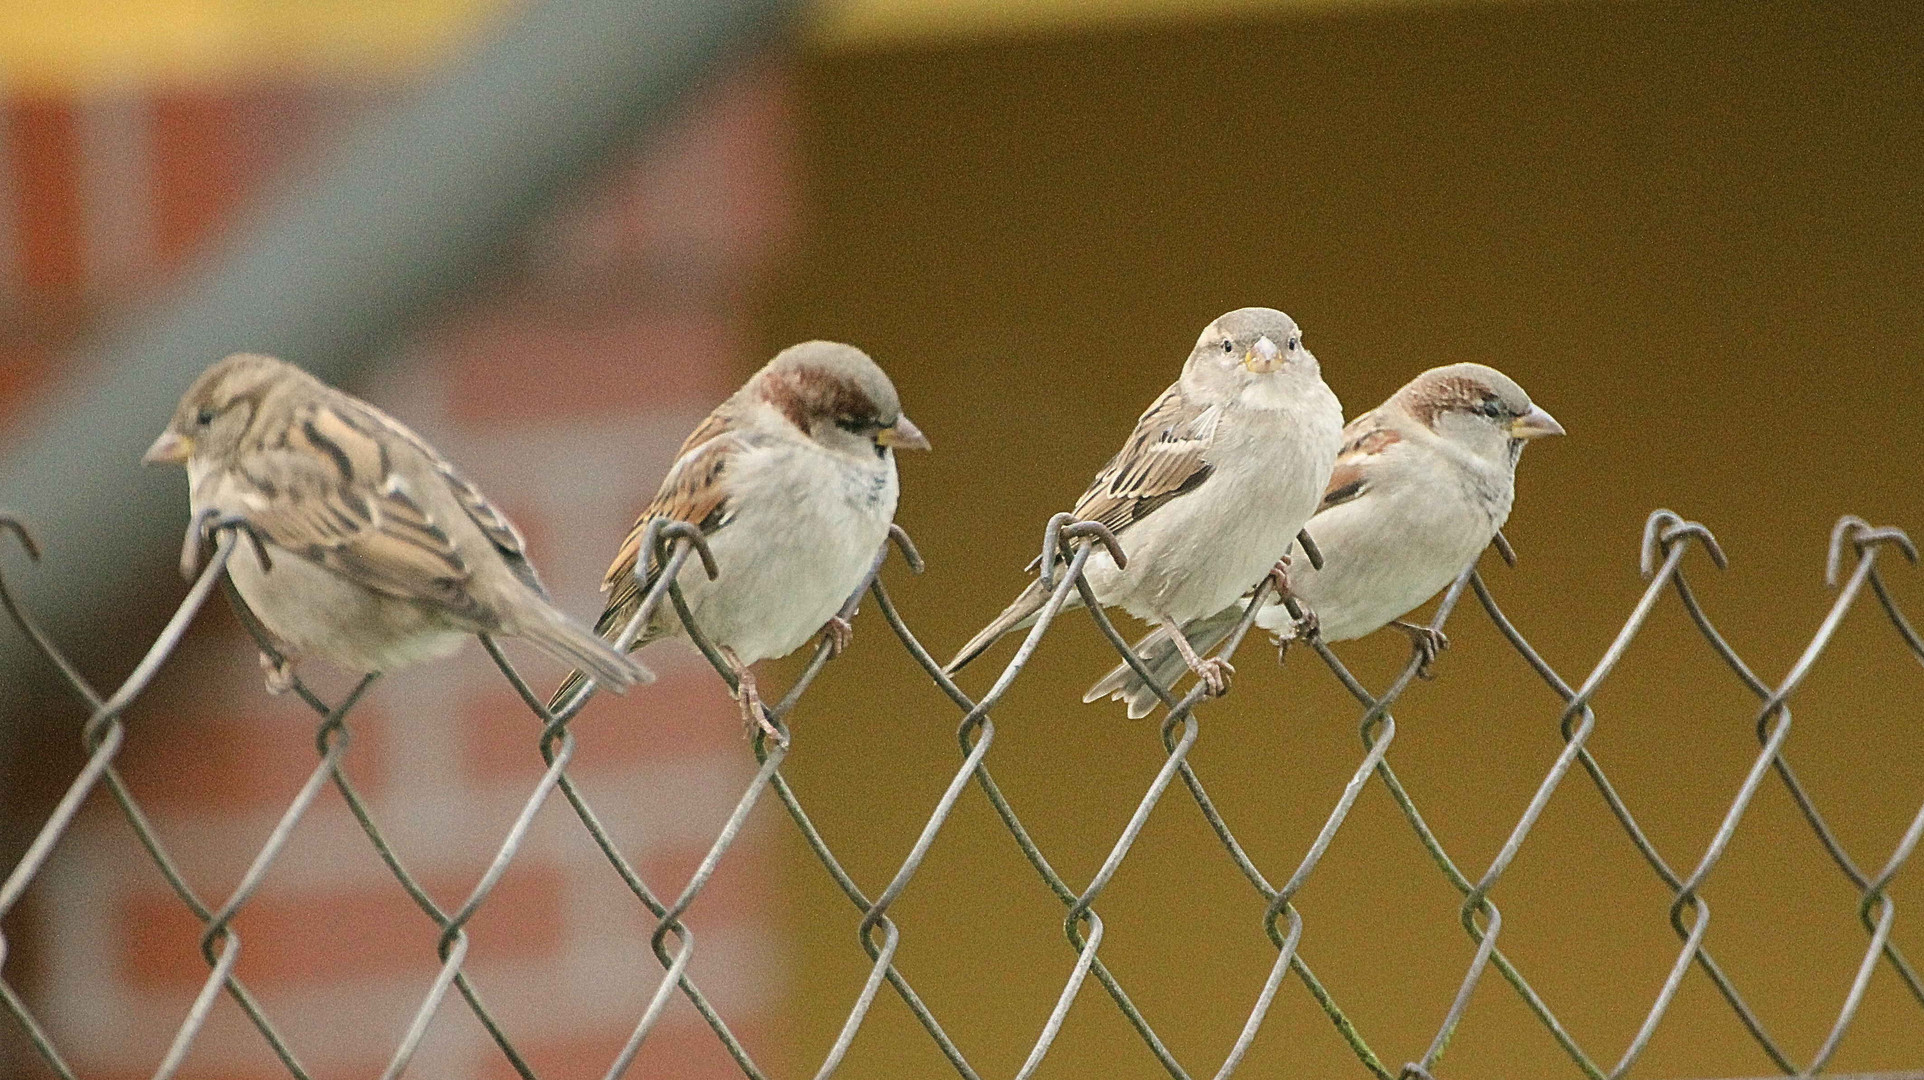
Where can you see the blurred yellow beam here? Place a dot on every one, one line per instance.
(846, 24)
(83, 46)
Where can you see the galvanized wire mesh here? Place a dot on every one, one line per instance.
(1855, 549)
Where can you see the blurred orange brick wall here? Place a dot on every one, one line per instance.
(562, 386)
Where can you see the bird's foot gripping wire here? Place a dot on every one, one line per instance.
(1278, 577)
(749, 700)
(1214, 672)
(278, 672)
(1306, 622)
(1427, 643)
(839, 634)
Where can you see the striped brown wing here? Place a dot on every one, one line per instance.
(1363, 439)
(696, 491)
(494, 525)
(1163, 459)
(327, 488)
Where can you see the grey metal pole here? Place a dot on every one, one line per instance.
(411, 208)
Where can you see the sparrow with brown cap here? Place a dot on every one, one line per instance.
(792, 483)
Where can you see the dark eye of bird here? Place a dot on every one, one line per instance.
(852, 425)
(1490, 408)
(1228, 345)
(205, 416)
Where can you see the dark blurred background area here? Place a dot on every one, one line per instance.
(1690, 231)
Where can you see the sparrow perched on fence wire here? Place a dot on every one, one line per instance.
(1208, 492)
(1423, 483)
(364, 546)
(792, 484)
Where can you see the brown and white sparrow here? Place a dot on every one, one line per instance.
(1208, 492)
(792, 483)
(1423, 483)
(378, 553)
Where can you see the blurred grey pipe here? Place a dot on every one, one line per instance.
(407, 210)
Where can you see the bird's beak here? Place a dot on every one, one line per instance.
(172, 448)
(1534, 425)
(1263, 357)
(902, 435)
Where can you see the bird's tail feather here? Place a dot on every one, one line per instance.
(1020, 613)
(566, 690)
(571, 643)
(1159, 655)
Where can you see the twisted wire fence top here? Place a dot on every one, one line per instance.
(1672, 550)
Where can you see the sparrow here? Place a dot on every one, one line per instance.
(1208, 492)
(792, 484)
(1424, 482)
(369, 550)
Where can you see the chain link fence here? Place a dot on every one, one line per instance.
(1668, 540)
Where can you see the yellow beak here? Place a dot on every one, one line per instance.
(1534, 425)
(1263, 357)
(903, 435)
(172, 448)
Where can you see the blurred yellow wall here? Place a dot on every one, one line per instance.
(90, 45)
(1692, 231)
(838, 24)
(103, 45)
